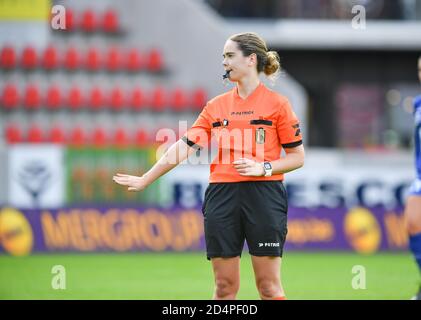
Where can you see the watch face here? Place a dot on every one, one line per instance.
(268, 166)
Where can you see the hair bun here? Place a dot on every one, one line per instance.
(273, 64)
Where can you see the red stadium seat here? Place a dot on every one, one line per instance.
(93, 61)
(7, 58)
(71, 59)
(96, 99)
(32, 97)
(155, 61)
(10, 97)
(158, 99)
(179, 100)
(29, 58)
(89, 21)
(35, 134)
(113, 61)
(99, 137)
(110, 22)
(74, 99)
(56, 135)
(13, 134)
(199, 99)
(70, 20)
(117, 100)
(53, 99)
(141, 137)
(121, 137)
(49, 58)
(137, 99)
(134, 60)
(77, 137)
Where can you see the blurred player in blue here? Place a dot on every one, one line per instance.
(413, 204)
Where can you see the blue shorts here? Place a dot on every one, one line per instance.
(415, 189)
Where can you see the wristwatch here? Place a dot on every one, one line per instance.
(268, 169)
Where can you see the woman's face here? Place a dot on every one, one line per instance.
(235, 62)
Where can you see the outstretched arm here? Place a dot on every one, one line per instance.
(175, 154)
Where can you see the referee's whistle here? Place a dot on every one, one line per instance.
(226, 75)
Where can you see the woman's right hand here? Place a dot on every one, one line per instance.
(134, 183)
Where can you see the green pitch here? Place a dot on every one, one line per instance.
(189, 276)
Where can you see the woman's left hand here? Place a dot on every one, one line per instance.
(247, 167)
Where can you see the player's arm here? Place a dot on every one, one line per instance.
(294, 159)
(175, 154)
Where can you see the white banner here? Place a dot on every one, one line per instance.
(329, 178)
(36, 176)
(335, 179)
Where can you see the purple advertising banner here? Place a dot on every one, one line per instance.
(125, 229)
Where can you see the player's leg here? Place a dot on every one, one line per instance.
(413, 220)
(224, 237)
(265, 225)
(267, 272)
(413, 214)
(227, 277)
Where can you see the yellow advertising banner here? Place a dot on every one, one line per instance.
(25, 9)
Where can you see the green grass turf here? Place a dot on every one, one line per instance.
(189, 276)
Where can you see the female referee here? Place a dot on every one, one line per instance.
(413, 203)
(246, 198)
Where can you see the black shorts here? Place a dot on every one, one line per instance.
(254, 211)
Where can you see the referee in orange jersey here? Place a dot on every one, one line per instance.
(246, 199)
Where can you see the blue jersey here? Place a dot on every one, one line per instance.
(416, 185)
(417, 141)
